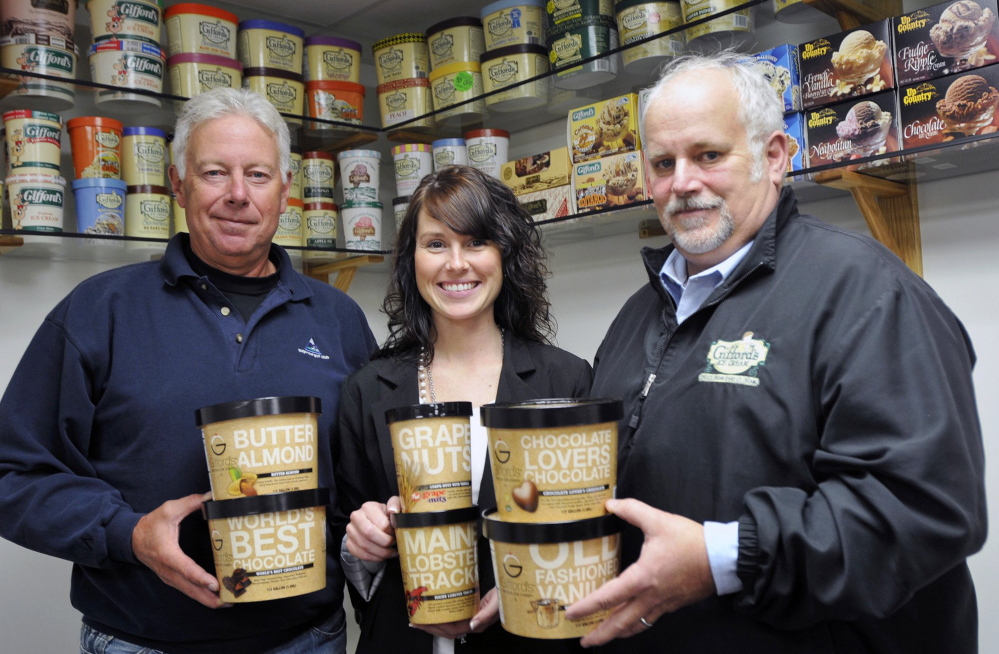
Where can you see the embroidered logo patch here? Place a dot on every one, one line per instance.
(736, 362)
(313, 351)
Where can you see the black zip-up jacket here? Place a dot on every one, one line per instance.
(822, 397)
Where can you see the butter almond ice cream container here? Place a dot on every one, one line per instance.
(267, 44)
(540, 569)
(201, 29)
(553, 460)
(433, 459)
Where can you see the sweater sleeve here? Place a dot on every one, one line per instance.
(899, 473)
(51, 498)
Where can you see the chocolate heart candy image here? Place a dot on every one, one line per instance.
(526, 496)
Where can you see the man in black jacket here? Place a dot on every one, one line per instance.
(801, 448)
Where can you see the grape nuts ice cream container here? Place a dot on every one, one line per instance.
(403, 56)
(510, 67)
(455, 39)
(127, 64)
(100, 206)
(362, 225)
(487, 149)
(553, 460)
(411, 163)
(332, 58)
(285, 90)
(433, 460)
(33, 141)
(640, 19)
(201, 29)
(437, 554)
(267, 44)
(36, 202)
(44, 59)
(540, 569)
(112, 20)
(147, 212)
(144, 156)
(359, 174)
(513, 22)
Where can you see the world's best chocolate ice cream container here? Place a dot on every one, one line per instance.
(846, 65)
(944, 39)
(949, 109)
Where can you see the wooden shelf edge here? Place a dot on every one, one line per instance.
(345, 269)
(7, 85)
(8, 243)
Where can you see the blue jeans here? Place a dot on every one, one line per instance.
(315, 640)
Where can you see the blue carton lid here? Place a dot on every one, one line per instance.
(440, 143)
(508, 4)
(143, 131)
(259, 24)
(100, 182)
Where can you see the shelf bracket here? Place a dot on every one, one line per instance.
(891, 210)
(345, 269)
(851, 14)
(8, 243)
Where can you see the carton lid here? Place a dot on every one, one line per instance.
(258, 24)
(435, 518)
(203, 10)
(240, 506)
(553, 412)
(434, 410)
(263, 406)
(528, 533)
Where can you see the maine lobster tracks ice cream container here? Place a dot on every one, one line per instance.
(553, 460)
(437, 554)
(432, 450)
(200, 29)
(540, 569)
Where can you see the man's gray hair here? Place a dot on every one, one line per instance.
(760, 110)
(221, 102)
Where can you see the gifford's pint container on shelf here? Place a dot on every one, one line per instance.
(33, 141)
(39, 55)
(201, 29)
(144, 156)
(268, 44)
(513, 22)
(96, 145)
(332, 58)
(403, 56)
(115, 20)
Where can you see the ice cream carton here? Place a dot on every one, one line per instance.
(604, 128)
(780, 66)
(846, 65)
(853, 129)
(608, 182)
(945, 39)
(794, 127)
(549, 203)
(537, 172)
(949, 108)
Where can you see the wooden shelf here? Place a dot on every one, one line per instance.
(8, 243)
(7, 85)
(345, 269)
(852, 14)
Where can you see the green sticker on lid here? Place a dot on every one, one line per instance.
(464, 81)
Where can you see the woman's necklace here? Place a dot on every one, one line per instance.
(426, 378)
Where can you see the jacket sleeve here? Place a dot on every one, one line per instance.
(899, 473)
(51, 498)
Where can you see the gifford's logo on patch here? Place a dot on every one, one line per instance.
(736, 362)
(313, 351)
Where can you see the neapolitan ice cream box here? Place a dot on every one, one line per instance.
(794, 127)
(846, 65)
(614, 181)
(604, 129)
(949, 108)
(780, 66)
(853, 129)
(944, 39)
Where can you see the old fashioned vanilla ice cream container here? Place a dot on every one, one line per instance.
(36, 202)
(513, 22)
(267, 44)
(540, 569)
(437, 554)
(193, 74)
(36, 54)
(332, 58)
(33, 142)
(509, 67)
(553, 460)
(147, 212)
(403, 56)
(201, 29)
(433, 459)
(401, 102)
(144, 156)
(285, 90)
(455, 39)
(411, 163)
(641, 19)
(129, 65)
(112, 20)
(289, 231)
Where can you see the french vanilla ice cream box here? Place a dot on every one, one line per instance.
(945, 39)
(860, 127)
(849, 64)
(604, 129)
(948, 109)
(794, 127)
(780, 66)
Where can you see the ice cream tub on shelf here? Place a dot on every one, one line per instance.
(319, 229)
(36, 202)
(553, 460)
(318, 176)
(399, 207)
(333, 100)
(949, 109)
(437, 555)
(359, 174)
(55, 18)
(564, 12)
(455, 39)
(96, 145)
(449, 152)
(201, 29)
(33, 142)
(945, 39)
(296, 173)
(411, 162)
(513, 22)
(487, 149)
(284, 89)
(779, 65)
(290, 230)
(853, 129)
(362, 225)
(100, 206)
(402, 101)
(49, 60)
(143, 156)
(193, 74)
(848, 64)
(580, 39)
(640, 19)
(111, 20)
(458, 86)
(332, 58)
(268, 44)
(540, 569)
(729, 31)
(510, 66)
(147, 212)
(399, 57)
(128, 65)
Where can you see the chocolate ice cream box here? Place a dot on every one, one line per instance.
(949, 108)
(846, 65)
(780, 66)
(853, 129)
(794, 127)
(604, 128)
(549, 203)
(613, 181)
(537, 172)
(945, 39)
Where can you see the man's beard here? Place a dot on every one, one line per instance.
(693, 238)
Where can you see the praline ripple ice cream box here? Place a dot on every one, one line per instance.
(853, 129)
(780, 66)
(945, 39)
(949, 108)
(849, 64)
(794, 127)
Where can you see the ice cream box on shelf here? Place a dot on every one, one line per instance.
(614, 181)
(794, 127)
(554, 202)
(537, 172)
(780, 66)
(604, 128)
(846, 65)
(949, 108)
(944, 39)
(853, 129)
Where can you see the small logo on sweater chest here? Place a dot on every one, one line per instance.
(736, 362)
(313, 351)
